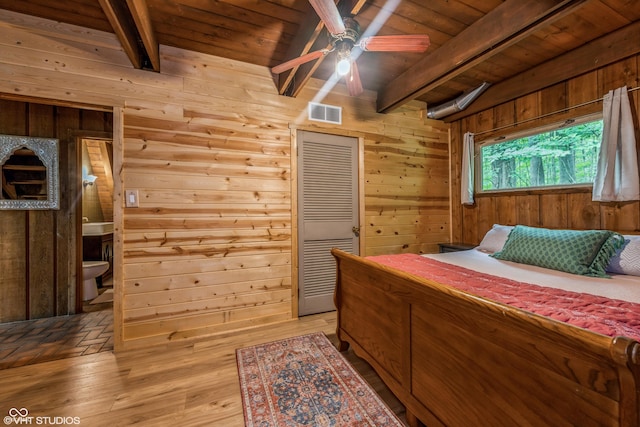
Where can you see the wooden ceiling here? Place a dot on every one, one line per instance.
(518, 46)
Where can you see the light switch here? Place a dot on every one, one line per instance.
(131, 198)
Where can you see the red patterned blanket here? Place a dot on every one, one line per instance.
(598, 314)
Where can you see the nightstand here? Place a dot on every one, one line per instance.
(455, 247)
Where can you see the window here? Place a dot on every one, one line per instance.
(559, 155)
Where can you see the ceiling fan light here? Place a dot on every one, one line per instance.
(343, 66)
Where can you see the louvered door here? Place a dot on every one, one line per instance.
(327, 214)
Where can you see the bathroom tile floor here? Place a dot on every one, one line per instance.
(42, 340)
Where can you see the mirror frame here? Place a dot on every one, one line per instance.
(47, 151)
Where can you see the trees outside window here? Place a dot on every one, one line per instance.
(561, 157)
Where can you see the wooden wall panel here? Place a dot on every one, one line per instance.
(406, 193)
(527, 210)
(582, 213)
(504, 115)
(207, 144)
(42, 264)
(42, 229)
(226, 220)
(13, 245)
(552, 99)
(65, 239)
(570, 208)
(13, 257)
(582, 90)
(554, 212)
(527, 107)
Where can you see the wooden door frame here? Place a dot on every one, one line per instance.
(295, 266)
(77, 138)
(117, 140)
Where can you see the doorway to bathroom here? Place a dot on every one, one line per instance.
(97, 223)
(40, 249)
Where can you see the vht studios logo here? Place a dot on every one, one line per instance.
(21, 416)
(18, 416)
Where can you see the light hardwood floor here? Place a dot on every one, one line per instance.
(187, 384)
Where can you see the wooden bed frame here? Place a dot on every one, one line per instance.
(454, 359)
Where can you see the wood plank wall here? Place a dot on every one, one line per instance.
(407, 190)
(207, 145)
(38, 247)
(548, 208)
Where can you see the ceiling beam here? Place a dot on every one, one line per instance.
(302, 42)
(291, 83)
(140, 13)
(125, 26)
(499, 29)
(598, 53)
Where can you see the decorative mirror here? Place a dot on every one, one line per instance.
(29, 169)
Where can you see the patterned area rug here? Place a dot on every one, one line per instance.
(305, 381)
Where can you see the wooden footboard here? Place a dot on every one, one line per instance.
(458, 360)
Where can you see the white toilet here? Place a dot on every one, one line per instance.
(91, 270)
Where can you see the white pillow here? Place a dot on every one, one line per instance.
(495, 238)
(627, 261)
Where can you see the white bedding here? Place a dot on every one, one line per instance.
(619, 286)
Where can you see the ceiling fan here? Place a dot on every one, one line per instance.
(345, 35)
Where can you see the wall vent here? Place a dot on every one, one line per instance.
(325, 113)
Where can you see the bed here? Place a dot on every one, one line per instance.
(456, 358)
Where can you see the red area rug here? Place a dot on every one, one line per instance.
(305, 381)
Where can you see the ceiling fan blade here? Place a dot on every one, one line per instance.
(329, 14)
(354, 85)
(298, 61)
(400, 43)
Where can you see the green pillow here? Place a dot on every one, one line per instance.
(585, 252)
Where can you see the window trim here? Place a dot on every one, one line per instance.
(522, 134)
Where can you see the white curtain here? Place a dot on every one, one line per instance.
(467, 169)
(617, 175)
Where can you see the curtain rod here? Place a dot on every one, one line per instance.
(549, 114)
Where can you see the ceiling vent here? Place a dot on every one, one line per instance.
(325, 113)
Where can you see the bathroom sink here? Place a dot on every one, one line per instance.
(97, 228)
